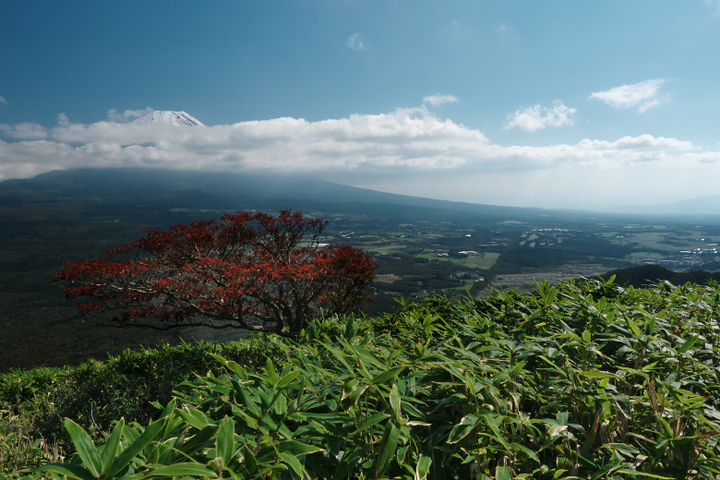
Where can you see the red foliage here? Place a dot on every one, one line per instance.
(247, 270)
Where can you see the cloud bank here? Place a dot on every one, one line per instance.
(537, 117)
(643, 95)
(406, 147)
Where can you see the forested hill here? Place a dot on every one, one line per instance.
(645, 275)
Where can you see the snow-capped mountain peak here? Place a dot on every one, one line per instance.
(167, 117)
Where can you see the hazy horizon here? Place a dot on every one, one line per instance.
(563, 105)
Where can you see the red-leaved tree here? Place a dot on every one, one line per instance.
(246, 270)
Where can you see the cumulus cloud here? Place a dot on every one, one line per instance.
(127, 116)
(24, 131)
(643, 95)
(3, 101)
(355, 42)
(714, 5)
(406, 145)
(538, 117)
(438, 99)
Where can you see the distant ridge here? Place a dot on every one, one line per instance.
(648, 275)
(162, 190)
(167, 117)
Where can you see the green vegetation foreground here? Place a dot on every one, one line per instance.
(577, 381)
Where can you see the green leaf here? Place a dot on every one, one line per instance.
(527, 451)
(386, 375)
(605, 469)
(170, 408)
(688, 344)
(287, 378)
(225, 443)
(181, 470)
(562, 418)
(553, 366)
(193, 417)
(272, 377)
(494, 421)
(516, 369)
(199, 441)
(374, 420)
(502, 473)
(422, 468)
(127, 455)
(340, 357)
(249, 403)
(667, 429)
(111, 446)
(463, 429)
(635, 473)
(294, 463)
(249, 460)
(232, 366)
(586, 335)
(69, 469)
(296, 448)
(357, 392)
(395, 402)
(650, 326)
(598, 375)
(387, 448)
(280, 404)
(633, 326)
(85, 447)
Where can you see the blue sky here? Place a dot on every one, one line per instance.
(577, 104)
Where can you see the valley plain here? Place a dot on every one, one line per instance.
(422, 247)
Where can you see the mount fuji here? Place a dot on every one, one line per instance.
(167, 117)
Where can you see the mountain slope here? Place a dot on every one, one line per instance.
(123, 189)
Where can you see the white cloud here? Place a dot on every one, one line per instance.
(63, 120)
(356, 42)
(643, 95)
(438, 99)
(423, 155)
(639, 143)
(715, 5)
(538, 117)
(3, 101)
(504, 29)
(648, 105)
(127, 116)
(24, 131)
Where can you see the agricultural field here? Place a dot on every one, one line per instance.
(677, 247)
